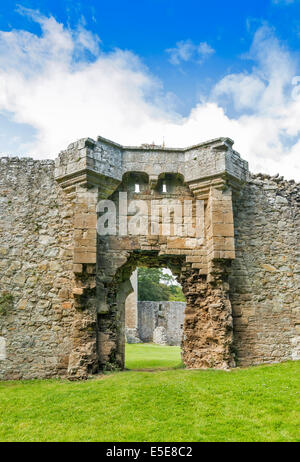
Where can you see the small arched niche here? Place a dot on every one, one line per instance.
(135, 182)
(169, 183)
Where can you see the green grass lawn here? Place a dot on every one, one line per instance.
(151, 356)
(255, 404)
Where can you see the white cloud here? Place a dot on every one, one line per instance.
(283, 2)
(183, 51)
(50, 83)
(205, 50)
(186, 50)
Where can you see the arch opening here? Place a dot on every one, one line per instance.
(111, 324)
(154, 319)
(161, 234)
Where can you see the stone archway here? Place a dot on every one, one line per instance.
(208, 331)
(111, 336)
(207, 174)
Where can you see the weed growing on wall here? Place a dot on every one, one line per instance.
(6, 303)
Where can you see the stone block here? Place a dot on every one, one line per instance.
(269, 268)
(85, 220)
(77, 290)
(84, 257)
(77, 268)
(85, 243)
(223, 230)
(2, 349)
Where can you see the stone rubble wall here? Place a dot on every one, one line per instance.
(208, 324)
(90, 170)
(166, 315)
(160, 336)
(57, 308)
(35, 271)
(265, 275)
(132, 335)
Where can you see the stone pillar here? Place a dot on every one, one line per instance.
(131, 312)
(220, 228)
(131, 304)
(85, 177)
(208, 328)
(111, 327)
(208, 333)
(83, 358)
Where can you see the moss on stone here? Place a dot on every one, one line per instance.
(6, 303)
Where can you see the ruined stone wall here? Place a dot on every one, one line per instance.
(63, 287)
(166, 315)
(265, 277)
(146, 320)
(36, 313)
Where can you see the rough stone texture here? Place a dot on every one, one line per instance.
(147, 320)
(131, 323)
(160, 336)
(63, 287)
(265, 278)
(131, 305)
(208, 329)
(169, 315)
(132, 335)
(2, 348)
(35, 269)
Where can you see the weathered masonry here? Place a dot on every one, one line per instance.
(160, 322)
(63, 286)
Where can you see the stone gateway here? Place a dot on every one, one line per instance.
(63, 285)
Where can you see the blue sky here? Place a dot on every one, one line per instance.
(148, 70)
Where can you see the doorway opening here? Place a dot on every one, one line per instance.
(154, 320)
